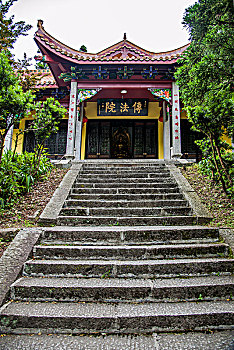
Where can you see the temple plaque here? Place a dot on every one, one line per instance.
(124, 107)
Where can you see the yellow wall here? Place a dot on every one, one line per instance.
(227, 139)
(160, 140)
(183, 115)
(224, 137)
(20, 143)
(19, 148)
(83, 141)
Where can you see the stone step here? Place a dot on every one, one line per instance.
(119, 178)
(124, 167)
(110, 318)
(142, 252)
(116, 290)
(122, 185)
(124, 175)
(117, 163)
(136, 169)
(129, 268)
(130, 220)
(125, 211)
(215, 340)
(124, 196)
(125, 235)
(141, 191)
(125, 203)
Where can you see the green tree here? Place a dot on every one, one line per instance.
(14, 103)
(48, 115)
(205, 77)
(10, 30)
(28, 78)
(83, 48)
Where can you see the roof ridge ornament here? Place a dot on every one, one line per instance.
(40, 23)
(125, 36)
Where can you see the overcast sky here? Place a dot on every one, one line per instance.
(155, 25)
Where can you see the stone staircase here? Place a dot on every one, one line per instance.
(125, 194)
(125, 257)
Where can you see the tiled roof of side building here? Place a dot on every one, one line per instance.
(45, 78)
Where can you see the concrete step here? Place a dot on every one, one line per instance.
(125, 203)
(141, 191)
(130, 220)
(124, 196)
(129, 268)
(110, 318)
(142, 252)
(116, 290)
(125, 235)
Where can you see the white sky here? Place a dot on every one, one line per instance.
(154, 25)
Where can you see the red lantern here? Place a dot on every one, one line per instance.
(160, 119)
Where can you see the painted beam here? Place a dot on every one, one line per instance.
(123, 84)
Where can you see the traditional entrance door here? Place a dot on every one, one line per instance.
(122, 139)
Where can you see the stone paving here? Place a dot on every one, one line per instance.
(181, 341)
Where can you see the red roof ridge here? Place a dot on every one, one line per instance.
(110, 50)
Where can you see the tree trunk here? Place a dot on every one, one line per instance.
(16, 144)
(216, 165)
(39, 153)
(222, 163)
(2, 139)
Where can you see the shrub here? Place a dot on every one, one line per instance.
(17, 175)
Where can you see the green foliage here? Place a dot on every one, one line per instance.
(28, 78)
(47, 118)
(14, 103)
(83, 48)
(205, 77)
(10, 31)
(15, 176)
(207, 165)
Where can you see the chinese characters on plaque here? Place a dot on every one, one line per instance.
(125, 107)
(71, 117)
(176, 119)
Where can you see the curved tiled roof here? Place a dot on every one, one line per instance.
(46, 79)
(122, 52)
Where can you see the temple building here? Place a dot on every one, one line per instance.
(122, 102)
